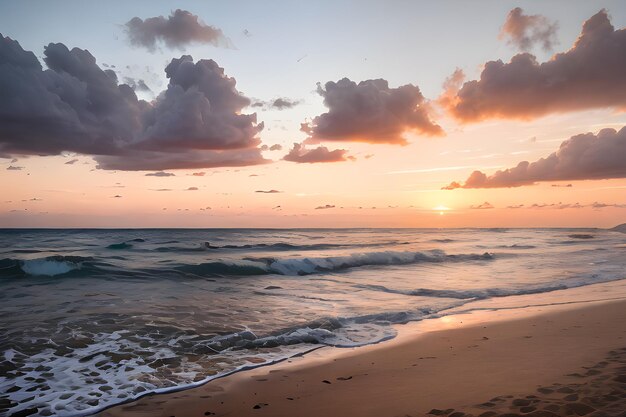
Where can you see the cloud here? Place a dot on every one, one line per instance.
(370, 112)
(14, 168)
(71, 162)
(562, 185)
(484, 206)
(281, 103)
(76, 106)
(192, 189)
(268, 191)
(198, 174)
(524, 31)
(160, 174)
(581, 157)
(284, 103)
(564, 206)
(117, 196)
(301, 155)
(179, 29)
(326, 207)
(589, 75)
(276, 147)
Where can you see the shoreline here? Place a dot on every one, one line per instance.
(268, 389)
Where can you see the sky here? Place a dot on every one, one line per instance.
(313, 114)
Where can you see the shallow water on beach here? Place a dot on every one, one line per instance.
(91, 318)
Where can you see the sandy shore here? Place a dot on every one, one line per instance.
(542, 362)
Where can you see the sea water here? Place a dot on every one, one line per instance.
(93, 318)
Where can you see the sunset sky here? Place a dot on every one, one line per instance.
(313, 114)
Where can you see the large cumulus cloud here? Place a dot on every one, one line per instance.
(76, 106)
(582, 157)
(176, 31)
(589, 75)
(370, 112)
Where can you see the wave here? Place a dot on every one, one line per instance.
(53, 265)
(280, 246)
(314, 265)
(48, 266)
(516, 246)
(118, 246)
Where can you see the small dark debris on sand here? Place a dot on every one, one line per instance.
(601, 393)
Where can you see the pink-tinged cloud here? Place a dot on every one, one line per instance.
(370, 112)
(484, 206)
(524, 31)
(76, 106)
(581, 157)
(301, 155)
(590, 75)
(325, 207)
(178, 30)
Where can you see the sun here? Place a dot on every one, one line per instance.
(441, 209)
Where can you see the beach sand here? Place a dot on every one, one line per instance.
(540, 362)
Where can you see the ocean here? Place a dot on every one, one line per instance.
(93, 318)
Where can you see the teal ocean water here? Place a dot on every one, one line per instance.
(92, 318)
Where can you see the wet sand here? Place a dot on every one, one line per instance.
(538, 362)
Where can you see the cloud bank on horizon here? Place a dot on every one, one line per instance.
(581, 157)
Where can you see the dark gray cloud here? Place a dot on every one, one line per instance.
(524, 31)
(268, 191)
(76, 106)
(589, 75)
(176, 31)
(370, 112)
(14, 168)
(300, 154)
(275, 147)
(282, 103)
(160, 174)
(581, 157)
(192, 189)
(325, 207)
(71, 162)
